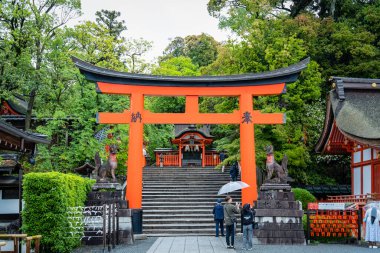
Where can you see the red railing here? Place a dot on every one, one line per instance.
(359, 199)
(170, 159)
(212, 159)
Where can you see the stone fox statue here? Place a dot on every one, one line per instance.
(107, 167)
(280, 171)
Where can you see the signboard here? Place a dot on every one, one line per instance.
(331, 206)
(326, 206)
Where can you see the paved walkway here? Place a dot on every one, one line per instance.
(190, 244)
(205, 244)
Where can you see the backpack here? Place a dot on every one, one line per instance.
(218, 212)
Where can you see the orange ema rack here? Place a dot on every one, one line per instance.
(326, 223)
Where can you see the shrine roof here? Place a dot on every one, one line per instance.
(282, 75)
(18, 135)
(17, 104)
(182, 129)
(85, 169)
(353, 105)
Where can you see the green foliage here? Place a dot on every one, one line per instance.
(201, 49)
(177, 66)
(304, 196)
(108, 19)
(304, 222)
(48, 197)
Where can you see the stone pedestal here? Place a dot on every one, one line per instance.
(279, 216)
(111, 193)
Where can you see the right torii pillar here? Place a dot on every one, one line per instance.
(247, 149)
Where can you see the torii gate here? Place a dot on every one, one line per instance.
(243, 86)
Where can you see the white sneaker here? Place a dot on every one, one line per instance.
(374, 247)
(370, 246)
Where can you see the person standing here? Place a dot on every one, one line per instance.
(222, 157)
(247, 221)
(230, 212)
(234, 172)
(372, 230)
(218, 213)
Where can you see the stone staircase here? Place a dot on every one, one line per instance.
(179, 201)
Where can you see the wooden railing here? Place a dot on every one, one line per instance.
(172, 159)
(212, 159)
(168, 159)
(359, 199)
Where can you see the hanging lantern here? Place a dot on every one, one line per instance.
(187, 148)
(196, 149)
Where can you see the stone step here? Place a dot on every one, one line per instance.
(183, 186)
(187, 182)
(183, 220)
(179, 234)
(180, 199)
(177, 216)
(179, 231)
(180, 226)
(176, 211)
(209, 220)
(188, 194)
(178, 203)
(201, 206)
(183, 191)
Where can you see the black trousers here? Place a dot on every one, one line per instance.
(230, 232)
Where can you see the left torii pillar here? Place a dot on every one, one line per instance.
(135, 166)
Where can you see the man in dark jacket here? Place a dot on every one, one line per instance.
(230, 212)
(218, 217)
(234, 171)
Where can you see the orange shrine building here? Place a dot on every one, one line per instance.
(193, 148)
(352, 127)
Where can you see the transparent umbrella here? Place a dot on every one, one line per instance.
(232, 186)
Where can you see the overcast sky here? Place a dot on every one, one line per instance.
(158, 20)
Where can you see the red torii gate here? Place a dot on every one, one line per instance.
(243, 86)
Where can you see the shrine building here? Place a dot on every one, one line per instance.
(193, 148)
(352, 127)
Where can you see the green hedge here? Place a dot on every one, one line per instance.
(48, 197)
(304, 196)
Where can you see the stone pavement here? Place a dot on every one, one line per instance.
(190, 244)
(204, 244)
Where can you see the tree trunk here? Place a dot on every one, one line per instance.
(28, 118)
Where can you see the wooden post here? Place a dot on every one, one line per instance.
(180, 155)
(203, 154)
(247, 149)
(135, 156)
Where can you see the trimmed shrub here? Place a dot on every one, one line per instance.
(304, 196)
(48, 197)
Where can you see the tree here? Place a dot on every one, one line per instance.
(29, 28)
(108, 19)
(175, 48)
(201, 49)
(325, 8)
